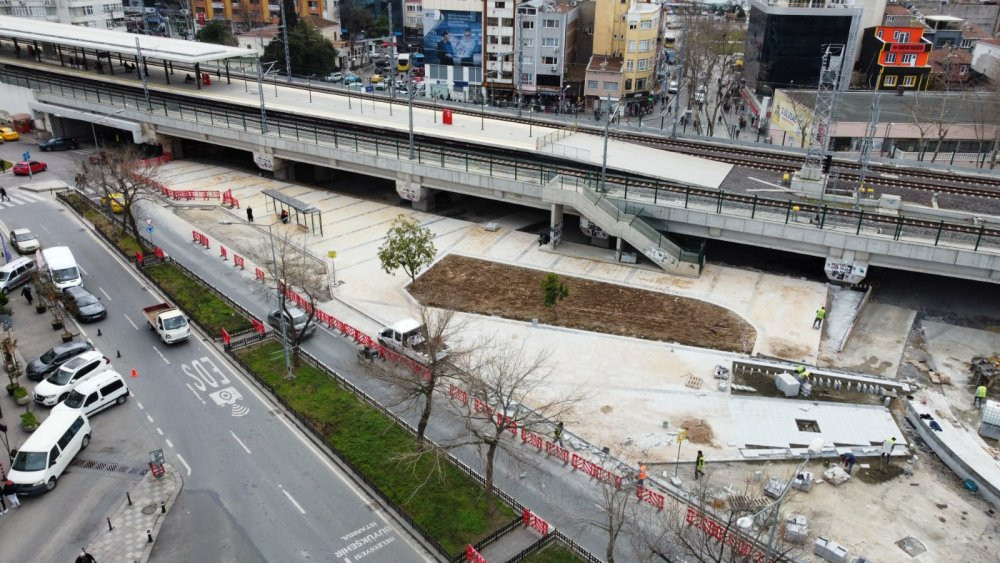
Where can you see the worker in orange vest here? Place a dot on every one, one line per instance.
(642, 473)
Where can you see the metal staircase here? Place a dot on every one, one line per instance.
(629, 227)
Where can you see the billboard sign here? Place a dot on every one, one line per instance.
(453, 38)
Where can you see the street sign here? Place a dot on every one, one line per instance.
(149, 229)
(331, 254)
(681, 436)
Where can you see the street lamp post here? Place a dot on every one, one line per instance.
(409, 102)
(602, 188)
(278, 277)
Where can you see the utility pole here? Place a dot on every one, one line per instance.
(866, 149)
(392, 64)
(284, 38)
(260, 92)
(602, 188)
(520, 49)
(410, 88)
(141, 63)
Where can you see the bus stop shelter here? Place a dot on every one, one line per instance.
(307, 217)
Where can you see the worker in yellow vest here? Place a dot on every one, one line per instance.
(820, 317)
(980, 397)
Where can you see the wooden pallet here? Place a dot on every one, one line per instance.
(694, 382)
(747, 503)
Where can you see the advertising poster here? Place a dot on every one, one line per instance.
(453, 38)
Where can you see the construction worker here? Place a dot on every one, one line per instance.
(642, 473)
(887, 447)
(849, 460)
(980, 397)
(557, 433)
(799, 370)
(699, 465)
(820, 317)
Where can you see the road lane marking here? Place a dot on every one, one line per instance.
(169, 443)
(186, 466)
(44, 228)
(162, 357)
(130, 321)
(197, 396)
(297, 505)
(78, 266)
(101, 289)
(240, 442)
(158, 431)
(149, 418)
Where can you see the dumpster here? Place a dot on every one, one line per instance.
(446, 117)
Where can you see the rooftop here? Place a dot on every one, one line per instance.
(605, 63)
(318, 22)
(164, 48)
(855, 107)
(896, 10)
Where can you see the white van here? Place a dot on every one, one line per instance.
(15, 273)
(61, 266)
(94, 395)
(48, 451)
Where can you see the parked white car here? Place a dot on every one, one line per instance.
(74, 372)
(96, 394)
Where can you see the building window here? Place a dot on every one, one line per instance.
(550, 23)
(909, 81)
(525, 77)
(610, 86)
(889, 81)
(904, 36)
(492, 22)
(550, 60)
(628, 84)
(500, 5)
(631, 25)
(592, 84)
(87, 10)
(525, 24)
(525, 42)
(629, 65)
(643, 64)
(507, 22)
(550, 42)
(631, 46)
(890, 58)
(909, 59)
(878, 34)
(640, 84)
(647, 24)
(506, 40)
(527, 60)
(963, 70)
(644, 46)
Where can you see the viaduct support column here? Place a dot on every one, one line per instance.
(556, 224)
(408, 187)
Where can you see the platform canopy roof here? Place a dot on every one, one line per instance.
(164, 48)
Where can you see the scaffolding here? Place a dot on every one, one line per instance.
(826, 97)
(866, 149)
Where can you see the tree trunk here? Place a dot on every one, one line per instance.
(609, 553)
(491, 499)
(425, 415)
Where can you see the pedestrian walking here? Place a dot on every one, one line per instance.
(10, 493)
(849, 461)
(699, 465)
(557, 433)
(26, 292)
(642, 474)
(3, 505)
(980, 397)
(3, 194)
(249, 214)
(820, 317)
(887, 447)
(85, 557)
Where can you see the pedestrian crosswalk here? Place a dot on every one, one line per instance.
(17, 197)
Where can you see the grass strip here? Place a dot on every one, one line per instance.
(554, 553)
(204, 306)
(451, 508)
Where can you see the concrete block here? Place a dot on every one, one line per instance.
(796, 529)
(991, 413)
(829, 550)
(803, 481)
(787, 384)
(774, 487)
(836, 475)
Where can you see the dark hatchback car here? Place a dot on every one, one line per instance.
(59, 144)
(296, 318)
(45, 365)
(84, 305)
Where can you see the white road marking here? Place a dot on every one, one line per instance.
(130, 321)
(137, 402)
(162, 357)
(78, 266)
(149, 418)
(158, 431)
(240, 442)
(169, 443)
(44, 228)
(188, 467)
(297, 505)
(101, 289)
(195, 393)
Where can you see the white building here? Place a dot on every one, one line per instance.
(103, 14)
(986, 58)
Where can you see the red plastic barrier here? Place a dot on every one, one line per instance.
(138, 257)
(259, 274)
(196, 236)
(507, 422)
(481, 407)
(257, 325)
(531, 519)
(458, 393)
(552, 449)
(200, 238)
(649, 495)
(473, 556)
(595, 471)
(228, 199)
(733, 539)
(225, 336)
(223, 253)
(535, 439)
(158, 252)
(238, 261)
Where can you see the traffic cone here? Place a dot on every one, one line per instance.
(134, 373)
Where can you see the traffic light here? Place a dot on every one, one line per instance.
(827, 161)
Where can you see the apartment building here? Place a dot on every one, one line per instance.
(455, 47)
(629, 30)
(548, 40)
(894, 57)
(248, 14)
(102, 14)
(413, 23)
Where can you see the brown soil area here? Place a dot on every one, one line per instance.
(698, 431)
(491, 288)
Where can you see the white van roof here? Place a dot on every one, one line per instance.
(58, 257)
(98, 381)
(15, 263)
(49, 431)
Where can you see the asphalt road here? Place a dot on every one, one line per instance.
(255, 489)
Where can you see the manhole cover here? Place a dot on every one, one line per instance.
(150, 509)
(911, 546)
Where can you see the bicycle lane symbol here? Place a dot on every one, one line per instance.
(205, 375)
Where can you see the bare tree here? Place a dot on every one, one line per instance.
(417, 383)
(932, 116)
(710, 48)
(122, 176)
(501, 382)
(282, 258)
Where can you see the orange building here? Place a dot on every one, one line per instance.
(247, 14)
(894, 57)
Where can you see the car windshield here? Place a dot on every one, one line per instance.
(74, 400)
(29, 461)
(24, 237)
(174, 323)
(4, 276)
(64, 275)
(48, 356)
(84, 300)
(61, 377)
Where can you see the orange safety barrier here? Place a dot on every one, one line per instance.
(238, 261)
(724, 534)
(259, 274)
(531, 519)
(223, 253)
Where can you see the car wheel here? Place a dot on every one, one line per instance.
(43, 149)
(4, 291)
(44, 168)
(51, 484)
(121, 400)
(85, 442)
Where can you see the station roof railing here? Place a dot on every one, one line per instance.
(164, 48)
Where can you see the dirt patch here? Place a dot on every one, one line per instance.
(875, 474)
(491, 288)
(698, 431)
(765, 387)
